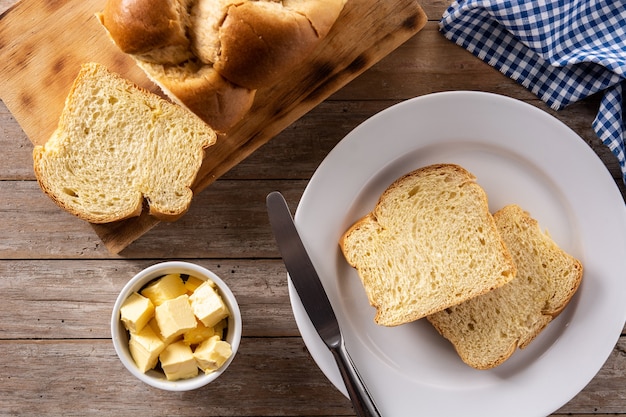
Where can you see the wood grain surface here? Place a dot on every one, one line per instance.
(58, 280)
(43, 43)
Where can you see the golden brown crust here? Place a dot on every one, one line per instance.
(217, 101)
(251, 45)
(260, 40)
(147, 27)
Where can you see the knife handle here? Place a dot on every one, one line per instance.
(361, 400)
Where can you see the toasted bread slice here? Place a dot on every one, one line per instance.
(488, 329)
(430, 243)
(117, 144)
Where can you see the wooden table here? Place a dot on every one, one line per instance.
(59, 282)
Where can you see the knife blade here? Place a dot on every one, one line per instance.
(315, 301)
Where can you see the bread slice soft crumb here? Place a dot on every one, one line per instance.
(117, 144)
(430, 243)
(488, 329)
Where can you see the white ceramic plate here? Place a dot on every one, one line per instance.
(519, 155)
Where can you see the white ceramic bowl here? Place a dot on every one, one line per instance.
(120, 335)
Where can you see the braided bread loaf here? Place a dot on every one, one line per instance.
(212, 55)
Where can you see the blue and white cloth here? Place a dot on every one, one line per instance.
(561, 50)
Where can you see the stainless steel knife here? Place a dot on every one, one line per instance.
(315, 301)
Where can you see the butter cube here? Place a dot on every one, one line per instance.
(192, 283)
(212, 353)
(165, 288)
(207, 305)
(155, 327)
(145, 347)
(178, 362)
(174, 317)
(199, 334)
(136, 312)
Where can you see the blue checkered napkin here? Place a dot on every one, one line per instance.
(561, 50)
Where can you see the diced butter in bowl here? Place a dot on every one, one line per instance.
(176, 326)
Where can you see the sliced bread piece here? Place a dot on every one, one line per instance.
(487, 330)
(430, 243)
(117, 144)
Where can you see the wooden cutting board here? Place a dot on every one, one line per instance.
(44, 42)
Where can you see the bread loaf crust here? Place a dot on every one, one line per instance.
(202, 90)
(250, 44)
(153, 30)
(259, 40)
